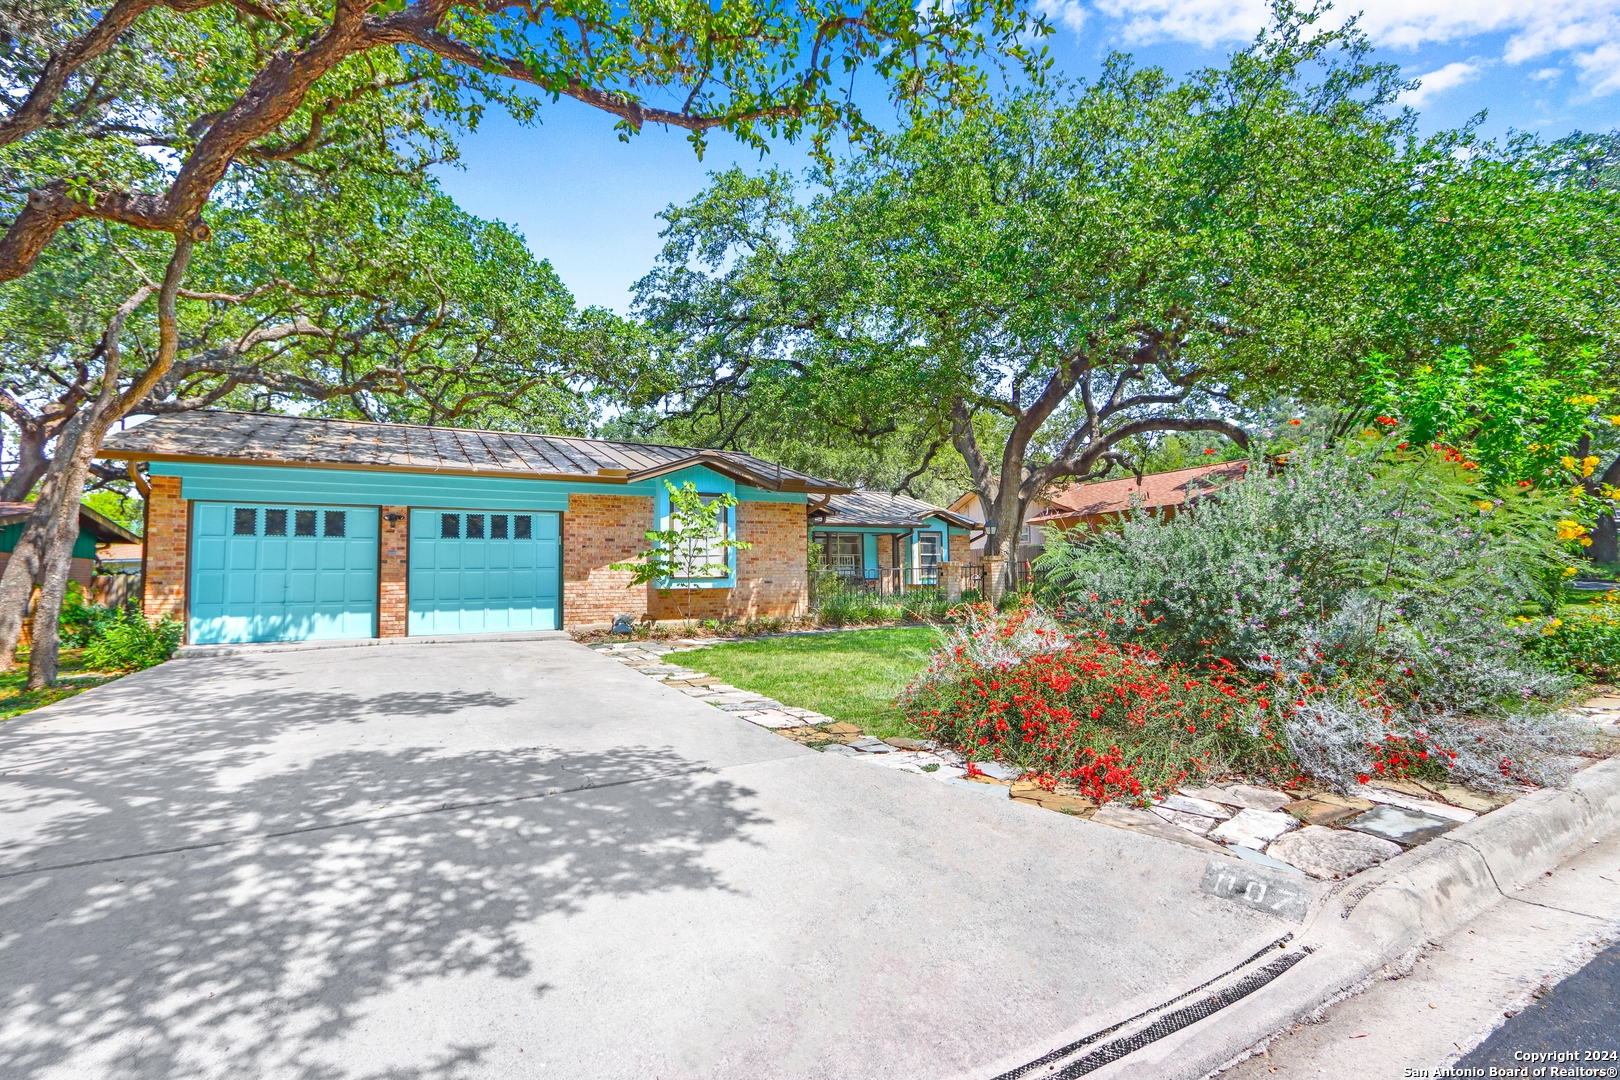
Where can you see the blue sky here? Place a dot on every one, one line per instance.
(587, 202)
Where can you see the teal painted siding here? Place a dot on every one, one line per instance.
(283, 572)
(84, 547)
(206, 481)
(474, 573)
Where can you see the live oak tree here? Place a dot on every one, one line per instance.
(1043, 283)
(148, 114)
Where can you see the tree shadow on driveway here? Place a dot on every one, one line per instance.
(156, 922)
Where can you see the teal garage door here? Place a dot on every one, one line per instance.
(269, 572)
(478, 571)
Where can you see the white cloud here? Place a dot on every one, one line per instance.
(1588, 31)
(1069, 13)
(1441, 80)
(1547, 74)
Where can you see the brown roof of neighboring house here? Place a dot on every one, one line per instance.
(1153, 491)
(881, 509)
(120, 553)
(103, 528)
(263, 439)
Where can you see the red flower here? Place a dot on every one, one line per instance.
(1294, 422)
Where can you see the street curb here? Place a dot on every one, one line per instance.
(217, 652)
(1377, 917)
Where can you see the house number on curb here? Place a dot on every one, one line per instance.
(1272, 893)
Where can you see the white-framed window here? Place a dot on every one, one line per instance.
(840, 551)
(716, 554)
(930, 546)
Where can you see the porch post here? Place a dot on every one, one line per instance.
(950, 576)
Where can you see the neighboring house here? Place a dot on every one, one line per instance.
(120, 559)
(94, 529)
(891, 540)
(1030, 539)
(1103, 502)
(275, 528)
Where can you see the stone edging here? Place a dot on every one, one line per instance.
(1379, 916)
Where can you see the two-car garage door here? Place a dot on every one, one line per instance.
(267, 572)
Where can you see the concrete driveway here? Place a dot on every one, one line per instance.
(504, 859)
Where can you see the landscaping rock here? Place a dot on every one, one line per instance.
(844, 727)
(840, 748)
(1242, 796)
(997, 771)
(1403, 826)
(773, 718)
(1195, 822)
(904, 743)
(1186, 804)
(1430, 807)
(1260, 858)
(1332, 853)
(696, 691)
(1253, 828)
(995, 791)
(1344, 800)
(1125, 817)
(1479, 802)
(752, 704)
(1318, 812)
(871, 745)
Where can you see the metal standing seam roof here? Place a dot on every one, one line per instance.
(1153, 491)
(879, 508)
(265, 439)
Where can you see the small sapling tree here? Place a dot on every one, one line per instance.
(692, 548)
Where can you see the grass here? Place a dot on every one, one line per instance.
(853, 675)
(16, 699)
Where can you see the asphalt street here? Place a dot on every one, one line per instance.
(1578, 1021)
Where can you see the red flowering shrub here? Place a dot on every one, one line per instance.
(1116, 720)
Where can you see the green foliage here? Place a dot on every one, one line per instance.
(1070, 706)
(694, 546)
(1367, 565)
(81, 622)
(131, 643)
(854, 675)
(1514, 413)
(129, 511)
(1581, 639)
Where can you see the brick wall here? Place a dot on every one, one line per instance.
(773, 576)
(959, 549)
(599, 530)
(166, 539)
(773, 579)
(393, 572)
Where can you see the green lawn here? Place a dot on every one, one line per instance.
(16, 699)
(853, 675)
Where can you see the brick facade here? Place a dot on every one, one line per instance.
(393, 571)
(599, 530)
(960, 552)
(773, 579)
(167, 526)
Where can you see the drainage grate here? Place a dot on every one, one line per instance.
(1165, 1025)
